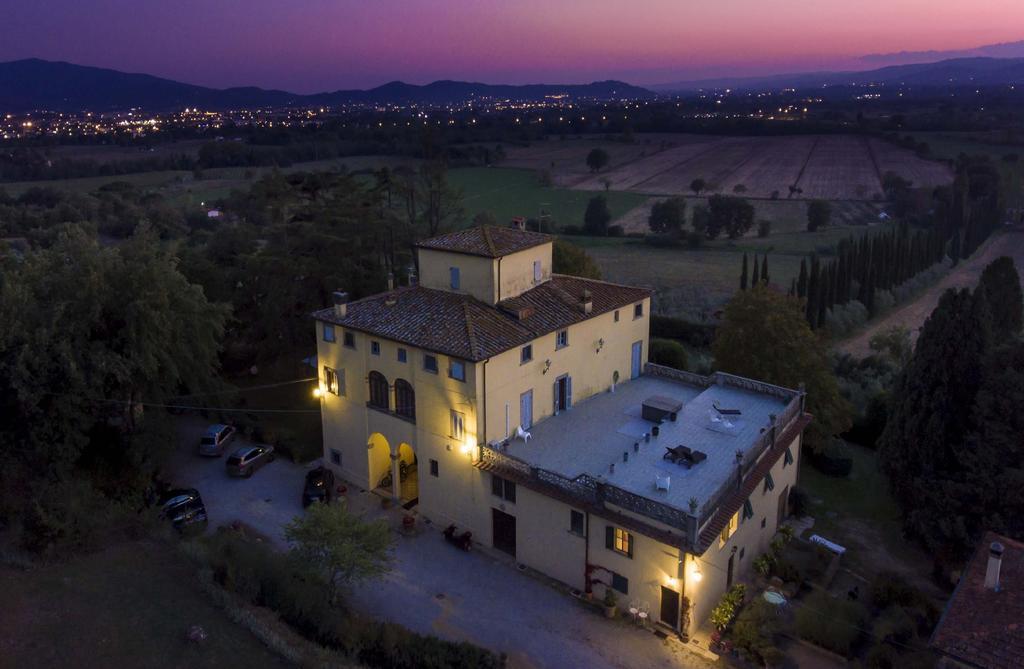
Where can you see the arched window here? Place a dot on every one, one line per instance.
(379, 391)
(405, 399)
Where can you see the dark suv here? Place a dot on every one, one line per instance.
(184, 508)
(319, 486)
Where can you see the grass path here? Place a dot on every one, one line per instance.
(912, 315)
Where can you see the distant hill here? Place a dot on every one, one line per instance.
(40, 84)
(954, 72)
(1002, 50)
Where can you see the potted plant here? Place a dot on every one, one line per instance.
(609, 603)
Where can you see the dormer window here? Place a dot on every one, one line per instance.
(454, 280)
(561, 339)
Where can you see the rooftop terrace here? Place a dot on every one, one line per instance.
(597, 452)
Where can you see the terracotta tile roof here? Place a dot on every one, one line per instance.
(982, 627)
(731, 504)
(490, 241)
(465, 327)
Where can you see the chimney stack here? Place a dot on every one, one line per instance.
(413, 279)
(995, 562)
(586, 302)
(519, 223)
(391, 280)
(340, 303)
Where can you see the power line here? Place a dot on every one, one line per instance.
(246, 388)
(159, 405)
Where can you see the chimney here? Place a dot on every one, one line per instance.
(413, 279)
(519, 223)
(995, 562)
(391, 280)
(586, 302)
(340, 303)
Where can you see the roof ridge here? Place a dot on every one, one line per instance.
(485, 231)
(470, 332)
(601, 281)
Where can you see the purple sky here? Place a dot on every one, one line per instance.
(314, 45)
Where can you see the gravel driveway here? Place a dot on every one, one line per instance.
(435, 588)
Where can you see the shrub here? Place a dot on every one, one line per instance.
(764, 564)
(694, 239)
(698, 335)
(725, 611)
(895, 624)
(764, 228)
(661, 241)
(831, 623)
(754, 631)
(832, 460)
(616, 231)
(668, 353)
(799, 501)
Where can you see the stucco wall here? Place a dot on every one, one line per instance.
(477, 275)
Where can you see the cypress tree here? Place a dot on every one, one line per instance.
(764, 270)
(812, 294)
(801, 282)
(753, 275)
(1000, 285)
(743, 274)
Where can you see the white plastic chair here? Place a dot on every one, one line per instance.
(522, 434)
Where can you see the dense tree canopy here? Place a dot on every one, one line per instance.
(570, 259)
(764, 336)
(668, 216)
(597, 216)
(1000, 283)
(597, 159)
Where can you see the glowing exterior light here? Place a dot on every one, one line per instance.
(317, 392)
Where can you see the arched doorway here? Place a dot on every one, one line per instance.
(378, 458)
(409, 476)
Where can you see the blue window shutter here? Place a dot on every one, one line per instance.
(748, 509)
(454, 271)
(568, 392)
(789, 457)
(769, 483)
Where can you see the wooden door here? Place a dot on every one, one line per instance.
(670, 607)
(504, 530)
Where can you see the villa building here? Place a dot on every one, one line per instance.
(518, 404)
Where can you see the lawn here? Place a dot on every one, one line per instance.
(127, 606)
(508, 192)
(859, 513)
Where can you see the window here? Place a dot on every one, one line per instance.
(334, 382)
(374, 348)
(788, 459)
(458, 425)
(329, 333)
(638, 310)
(335, 457)
(769, 482)
(454, 276)
(729, 528)
(536, 271)
(433, 468)
(526, 354)
(576, 523)
(379, 391)
(764, 522)
(430, 363)
(457, 370)
(405, 399)
(350, 340)
(402, 355)
(618, 540)
(748, 510)
(503, 488)
(616, 315)
(743, 551)
(620, 583)
(561, 339)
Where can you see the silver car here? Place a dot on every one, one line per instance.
(247, 459)
(216, 438)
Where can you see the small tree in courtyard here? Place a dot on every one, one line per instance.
(597, 159)
(344, 546)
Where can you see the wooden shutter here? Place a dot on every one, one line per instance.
(609, 537)
(554, 394)
(568, 392)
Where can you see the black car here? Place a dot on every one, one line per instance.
(184, 508)
(319, 486)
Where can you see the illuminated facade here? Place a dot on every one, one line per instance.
(426, 387)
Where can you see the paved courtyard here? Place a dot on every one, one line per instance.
(434, 588)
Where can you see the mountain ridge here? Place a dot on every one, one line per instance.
(34, 84)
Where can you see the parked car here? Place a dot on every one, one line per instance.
(216, 438)
(247, 459)
(184, 508)
(319, 486)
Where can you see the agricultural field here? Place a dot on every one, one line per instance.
(507, 193)
(835, 167)
(109, 153)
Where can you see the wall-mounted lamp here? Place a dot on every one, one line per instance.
(547, 366)
(600, 345)
(696, 573)
(317, 392)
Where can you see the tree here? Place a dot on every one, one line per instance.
(1001, 285)
(743, 274)
(597, 159)
(572, 260)
(698, 185)
(597, 216)
(349, 549)
(763, 335)
(485, 218)
(764, 270)
(930, 416)
(756, 273)
(701, 219)
(668, 353)
(732, 215)
(819, 212)
(667, 216)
